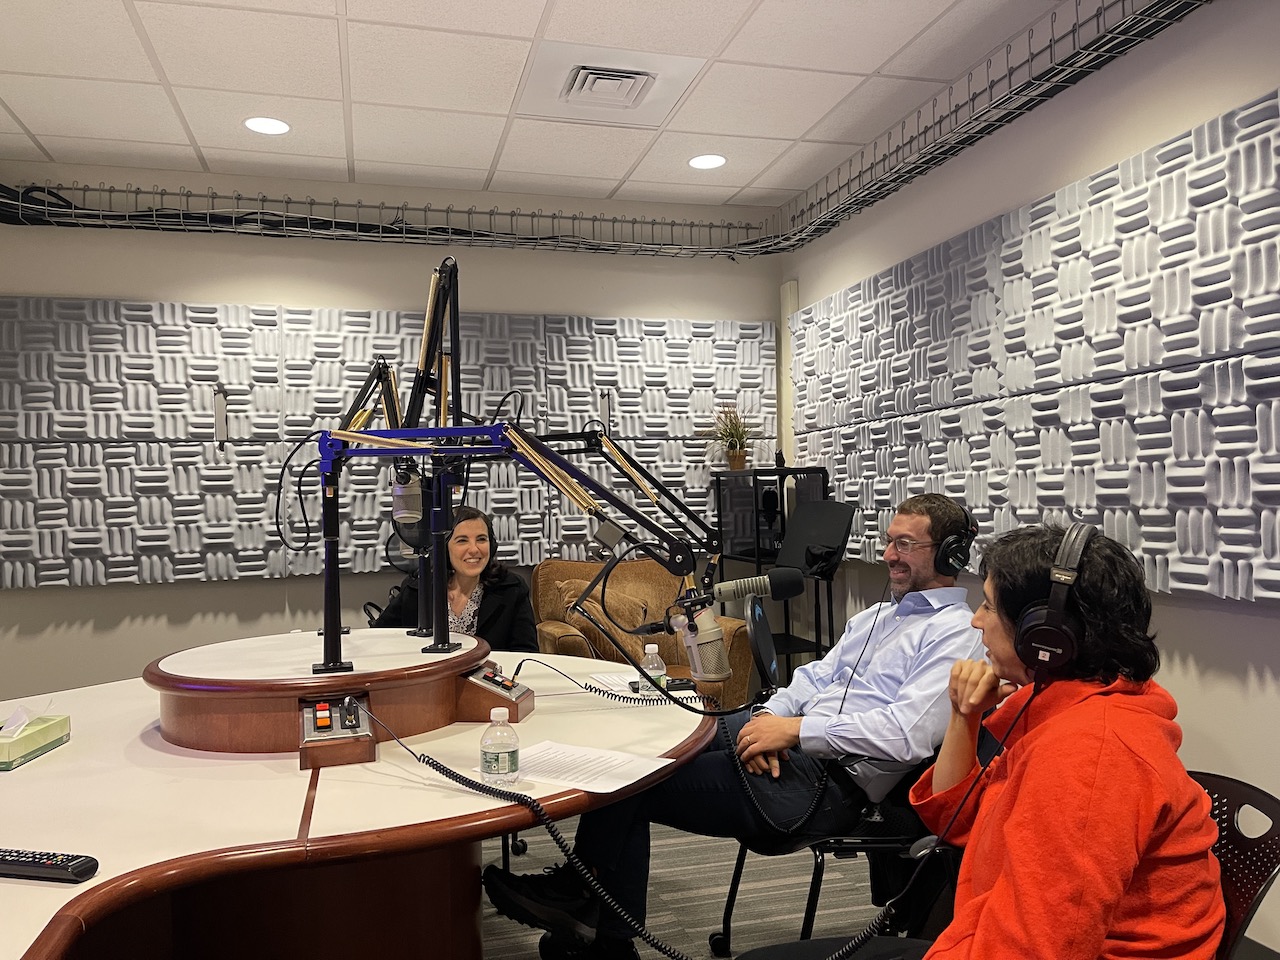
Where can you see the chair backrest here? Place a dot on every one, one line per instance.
(817, 534)
(1250, 864)
(763, 650)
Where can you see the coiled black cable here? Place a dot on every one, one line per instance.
(510, 796)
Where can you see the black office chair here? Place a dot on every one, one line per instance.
(885, 834)
(1250, 864)
(763, 650)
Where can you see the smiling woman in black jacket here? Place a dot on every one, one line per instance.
(486, 599)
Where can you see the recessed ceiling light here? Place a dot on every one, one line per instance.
(268, 125)
(708, 161)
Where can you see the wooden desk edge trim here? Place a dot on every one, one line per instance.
(182, 685)
(110, 896)
(75, 916)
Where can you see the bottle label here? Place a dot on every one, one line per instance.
(499, 762)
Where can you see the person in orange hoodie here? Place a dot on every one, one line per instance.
(1084, 837)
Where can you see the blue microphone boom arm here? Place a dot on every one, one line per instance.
(445, 446)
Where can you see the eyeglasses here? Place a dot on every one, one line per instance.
(904, 545)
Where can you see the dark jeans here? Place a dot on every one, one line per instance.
(706, 796)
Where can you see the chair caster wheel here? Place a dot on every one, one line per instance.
(719, 944)
(519, 847)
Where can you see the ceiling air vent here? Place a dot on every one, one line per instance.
(605, 87)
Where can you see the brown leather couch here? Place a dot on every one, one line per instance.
(638, 591)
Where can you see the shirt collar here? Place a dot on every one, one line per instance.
(937, 598)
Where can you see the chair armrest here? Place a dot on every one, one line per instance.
(554, 636)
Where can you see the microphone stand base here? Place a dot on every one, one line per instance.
(342, 666)
(445, 647)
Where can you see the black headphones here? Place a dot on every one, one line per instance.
(952, 554)
(1047, 636)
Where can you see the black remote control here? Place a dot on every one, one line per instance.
(41, 865)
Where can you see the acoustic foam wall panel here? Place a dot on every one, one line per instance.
(1109, 353)
(109, 469)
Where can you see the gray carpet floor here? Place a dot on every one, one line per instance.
(690, 877)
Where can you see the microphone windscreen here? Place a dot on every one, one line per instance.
(785, 583)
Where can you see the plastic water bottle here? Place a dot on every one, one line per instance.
(655, 668)
(499, 750)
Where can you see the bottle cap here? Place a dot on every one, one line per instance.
(650, 648)
(499, 715)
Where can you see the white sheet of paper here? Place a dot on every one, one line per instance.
(617, 682)
(587, 768)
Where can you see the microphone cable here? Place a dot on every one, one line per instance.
(281, 529)
(533, 806)
(630, 699)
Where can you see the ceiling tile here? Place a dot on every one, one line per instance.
(673, 192)
(216, 119)
(507, 18)
(415, 175)
(18, 146)
(72, 38)
(760, 101)
(873, 108)
(802, 165)
(424, 137)
(244, 50)
(965, 34)
(422, 68)
(275, 165)
(121, 153)
(552, 186)
(851, 36)
(8, 124)
(100, 109)
(668, 159)
(571, 149)
(757, 197)
(659, 26)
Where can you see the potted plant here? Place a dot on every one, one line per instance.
(731, 431)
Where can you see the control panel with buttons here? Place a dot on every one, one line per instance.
(335, 730)
(487, 687)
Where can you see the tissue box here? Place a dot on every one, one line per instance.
(39, 736)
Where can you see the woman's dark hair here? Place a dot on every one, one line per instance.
(493, 569)
(1109, 598)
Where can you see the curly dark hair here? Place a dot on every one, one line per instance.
(1109, 598)
(493, 569)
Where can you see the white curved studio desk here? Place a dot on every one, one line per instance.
(213, 854)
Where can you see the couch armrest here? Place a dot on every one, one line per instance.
(555, 636)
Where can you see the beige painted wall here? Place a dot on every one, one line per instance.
(218, 268)
(1221, 659)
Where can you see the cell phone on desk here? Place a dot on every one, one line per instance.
(674, 685)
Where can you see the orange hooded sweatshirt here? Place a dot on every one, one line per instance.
(1086, 839)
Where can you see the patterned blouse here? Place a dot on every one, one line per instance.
(465, 622)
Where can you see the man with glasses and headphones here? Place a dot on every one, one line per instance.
(1085, 838)
(880, 692)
